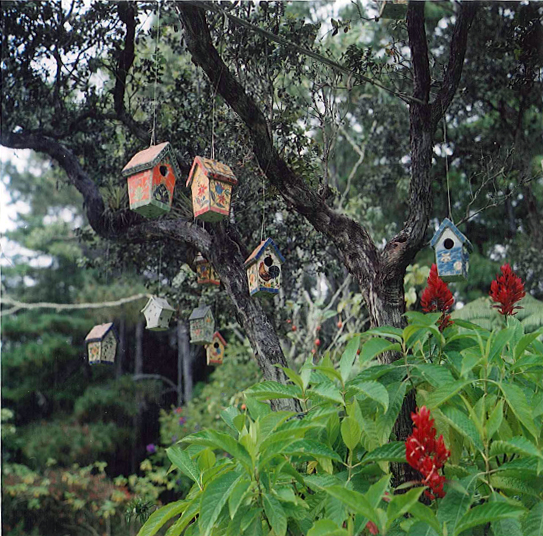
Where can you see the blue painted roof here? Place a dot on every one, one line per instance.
(448, 224)
(257, 253)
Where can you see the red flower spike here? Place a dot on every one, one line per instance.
(437, 297)
(426, 454)
(507, 290)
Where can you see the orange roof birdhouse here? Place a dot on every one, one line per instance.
(205, 272)
(151, 179)
(215, 350)
(211, 183)
(101, 344)
(264, 269)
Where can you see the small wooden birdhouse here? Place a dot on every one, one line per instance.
(264, 269)
(452, 252)
(151, 179)
(215, 350)
(202, 325)
(205, 272)
(392, 9)
(157, 312)
(211, 184)
(101, 344)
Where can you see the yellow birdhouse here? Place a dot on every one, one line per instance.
(211, 183)
(151, 179)
(205, 272)
(101, 344)
(158, 313)
(215, 350)
(264, 269)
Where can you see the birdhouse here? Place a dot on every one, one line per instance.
(205, 272)
(264, 269)
(157, 312)
(151, 179)
(215, 350)
(202, 325)
(392, 9)
(211, 183)
(452, 252)
(101, 344)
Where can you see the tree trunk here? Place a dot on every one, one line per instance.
(138, 369)
(184, 364)
(122, 348)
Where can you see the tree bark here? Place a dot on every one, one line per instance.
(184, 364)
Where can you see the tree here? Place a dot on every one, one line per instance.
(252, 60)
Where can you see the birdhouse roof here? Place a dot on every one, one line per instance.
(149, 158)
(97, 333)
(200, 259)
(161, 302)
(257, 253)
(200, 312)
(217, 335)
(448, 224)
(213, 170)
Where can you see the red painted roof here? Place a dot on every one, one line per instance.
(219, 336)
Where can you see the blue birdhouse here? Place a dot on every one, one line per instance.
(452, 252)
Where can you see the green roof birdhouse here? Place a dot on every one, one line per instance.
(264, 269)
(101, 344)
(202, 325)
(215, 350)
(452, 252)
(158, 313)
(205, 272)
(151, 179)
(211, 183)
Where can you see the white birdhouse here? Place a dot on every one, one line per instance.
(157, 312)
(101, 344)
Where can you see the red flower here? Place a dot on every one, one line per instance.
(507, 290)
(426, 454)
(372, 527)
(437, 297)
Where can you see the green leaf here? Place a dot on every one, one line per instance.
(306, 447)
(494, 420)
(533, 523)
(228, 415)
(456, 503)
(421, 528)
(220, 440)
(386, 331)
(329, 391)
(237, 495)
(435, 375)
(385, 423)
(445, 392)
(159, 517)
(515, 445)
(348, 357)
(373, 390)
(525, 342)
(214, 498)
(499, 341)
(350, 432)
(188, 515)
(463, 425)
(354, 501)
(256, 408)
(326, 527)
(376, 346)
(184, 463)
(391, 452)
(486, 513)
(293, 377)
(427, 515)
(275, 514)
(401, 504)
(516, 485)
(306, 371)
(270, 390)
(516, 400)
(206, 459)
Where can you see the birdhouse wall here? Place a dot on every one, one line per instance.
(202, 329)
(215, 352)
(109, 348)
(206, 274)
(452, 257)
(150, 192)
(94, 352)
(260, 278)
(210, 198)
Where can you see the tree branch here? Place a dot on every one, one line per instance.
(356, 247)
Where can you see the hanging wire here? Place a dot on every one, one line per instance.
(160, 268)
(447, 167)
(153, 131)
(263, 208)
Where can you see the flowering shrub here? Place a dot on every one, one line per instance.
(437, 297)
(426, 454)
(507, 290)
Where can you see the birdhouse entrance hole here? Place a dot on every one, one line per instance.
(163, 170)
(448, 243)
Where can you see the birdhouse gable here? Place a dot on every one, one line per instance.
(211, 169)
(218, 337)
(151, 157)
(98, 333)
(101, 344)
(215, 350)
(200, 312)
(261, 249)
(448, 230)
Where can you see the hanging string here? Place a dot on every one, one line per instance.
(153, 131)
(263, 208)
(160, 268)
(447, 167)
